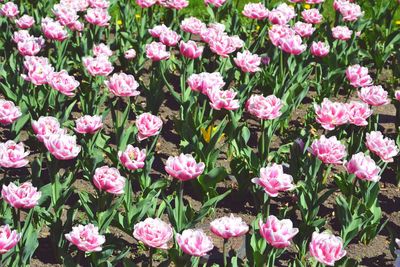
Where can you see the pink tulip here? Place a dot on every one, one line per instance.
(282, 14)
(312, 16)
(341, 33)
(102, 50)
(265, 108)
(24, 196)
(38, 70)
(99, 3)
(326, 248)
(30, 46)
(157, 51)
(123, 85)
(184, 167)
(13, 155)
(293, 45)
(8, 238)
(397, 95)
(314, 1)
(319, 49)
(146, 3)
(53, 30)
(358, 76)
(130, 54)
(193, 25)
(98, 66)
(194, 242)
(63, 82)
(9, 10)
(169, 37)
(62, 146)
(190, 49)
(157, 30)
(328, 150)
(77, 5)
(277, 32)
(215, 3)
(358, 113)
(223, 99)
(205, 82)
(153, 233)
(77, 26)
(148, 125)
(278, 233)
(330, 114)
(97, 16)
(227, 227)
(247, 61)
(255, 11)
(88, 124)
(132, 158)
(20, 36)
(374, 95)
(46, 126)
(25, 22)
(86, 238)
(382, 146)
(211, 33)
(65, 15)
(174, 4)
(350, 11)
(222, 45)
(109, 180)
(273, 180)
(337, 4)
(8, 112)
(363, 167)
(303, 29)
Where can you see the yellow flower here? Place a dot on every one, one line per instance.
(119, 22)
(258, 28)
(137, 16)
(307, 6)
(397, 22)
(207, 133)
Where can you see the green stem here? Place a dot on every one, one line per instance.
(327, 172)
(151, 252)
(225, 252)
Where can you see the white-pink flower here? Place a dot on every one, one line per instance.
(278, 233)
(363, 167)
(374, 95)
(358, 113)
(132, 158)
(274, 180)
(109, 180)
(148, 125)
(326, 248)
(228, 227)
(247, 61)
(13, 155)
(265, 108)
(153, 233)
(8, 112)
(184, 167)
(122, 84)
(328, 150)
(194, 242)
(88, 124)
(86, 238)
(330, 114)
(383, 147)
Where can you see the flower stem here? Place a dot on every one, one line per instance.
(225, 252)
(151, 252)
